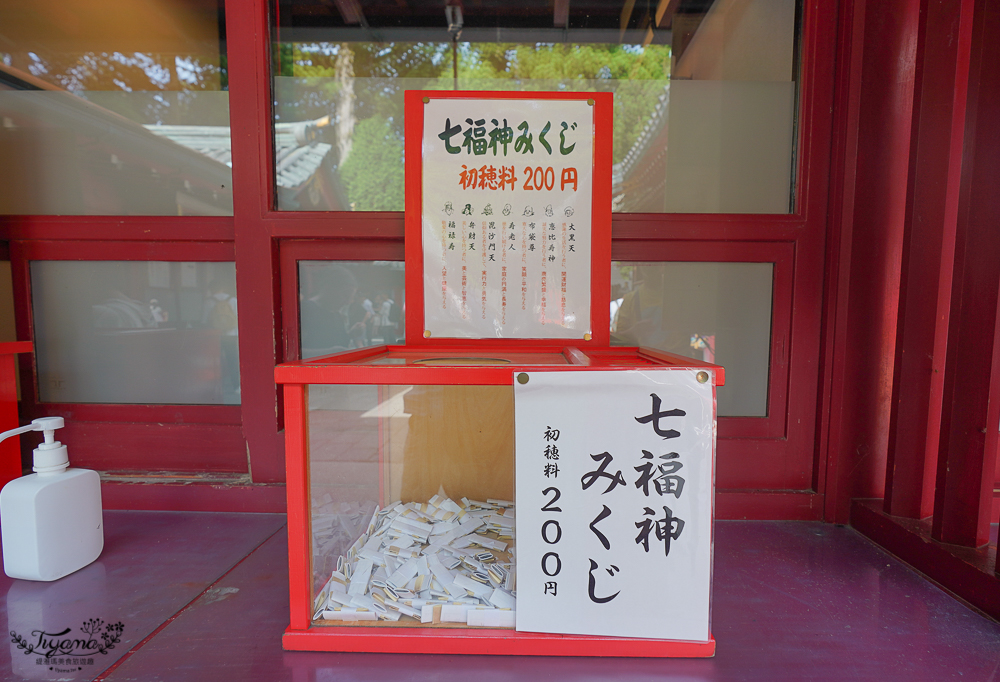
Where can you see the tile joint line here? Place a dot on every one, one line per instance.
(128, 654)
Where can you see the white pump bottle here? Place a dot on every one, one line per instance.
(51, 521)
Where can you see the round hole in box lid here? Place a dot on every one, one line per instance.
(461, 361)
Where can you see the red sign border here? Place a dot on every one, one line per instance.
(600, 254)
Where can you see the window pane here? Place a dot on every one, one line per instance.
(722, 72)
(716, 312)
(349, 304)
(135, 332)
(380, 446)
(117, 107)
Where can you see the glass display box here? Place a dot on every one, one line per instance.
(427, 482)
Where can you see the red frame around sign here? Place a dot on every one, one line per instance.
(600, 256)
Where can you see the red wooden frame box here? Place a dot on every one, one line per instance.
(447, 366)
(357, 460)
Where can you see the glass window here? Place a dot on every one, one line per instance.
(390, 470)
(136, 332)
(716, 312)
(117, 107)
(721, 72)
(349, 304)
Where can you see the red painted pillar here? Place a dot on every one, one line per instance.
(10, 449)
(971, 412)
(248, 50)
(938, 122)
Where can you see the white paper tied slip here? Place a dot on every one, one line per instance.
(413, 561)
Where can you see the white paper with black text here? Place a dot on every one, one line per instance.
(506, 217)
(614, 491)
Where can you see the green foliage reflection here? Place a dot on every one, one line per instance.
(362, 85)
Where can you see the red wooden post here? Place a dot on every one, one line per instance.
(299, 521)
(938, 123)
(248, 48)
(971, 414)
(10, 449)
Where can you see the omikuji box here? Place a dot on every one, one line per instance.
(505, 482)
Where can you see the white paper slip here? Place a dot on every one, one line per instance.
(359, 579)
(454, 613)
(490, 618)
(349, 616)
(502, 599)
(476, 588)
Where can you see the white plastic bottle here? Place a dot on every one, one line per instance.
(51, 521)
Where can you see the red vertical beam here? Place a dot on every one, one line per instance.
(971, 413)
(938, 124)
(10, 449)
(871, 211)
(299, 521)
(833, 454)
(248, 49)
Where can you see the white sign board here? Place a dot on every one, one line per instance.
(506, 219)
(614, 493)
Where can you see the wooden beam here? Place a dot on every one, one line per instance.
(971, 414)
(936, 137)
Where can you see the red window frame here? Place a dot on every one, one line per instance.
(266, 243)
(293, 251)
(181, 438)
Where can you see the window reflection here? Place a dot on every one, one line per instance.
(721, 72)
(118, 107)
(716, 312)
(349, 304)
(136, 332)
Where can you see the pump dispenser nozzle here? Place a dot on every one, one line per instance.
(50, 456)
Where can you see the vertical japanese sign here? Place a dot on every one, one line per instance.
(615, 484)
(506, 217)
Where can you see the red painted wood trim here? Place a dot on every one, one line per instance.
(383, 225)
(966, 572)
(194, 496)
(248, 42)
(11, 466)
(24, 324)
(768, 505)
(835, 463)
(419, 375)
(485, 642)
(600, 236)
(114, 446)
(121, 250)
(159, 414)
(718, 378)
(942, 66)
(294, 250)
(14, 347)
(971, 414)
(389, 226)
(865, 326)
(130, 437)
(300, 575)
(117, 228)
(780, 411)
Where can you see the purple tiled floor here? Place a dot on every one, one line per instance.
(792, 601)
(153, 565)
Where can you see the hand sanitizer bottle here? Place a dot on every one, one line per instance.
(51, 521)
